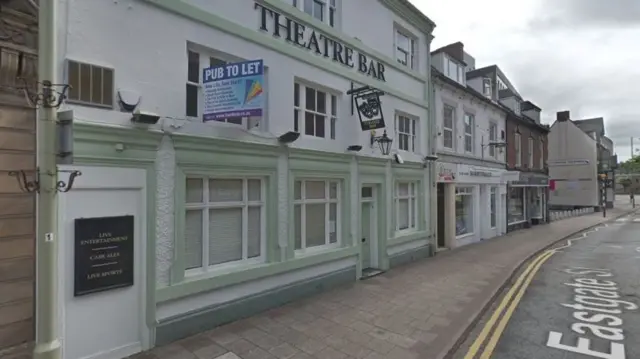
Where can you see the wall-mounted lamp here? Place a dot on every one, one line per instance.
(383, 141)
(146, 118)
(354, 148)
(289, 137)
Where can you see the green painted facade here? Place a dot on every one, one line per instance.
(102, 145)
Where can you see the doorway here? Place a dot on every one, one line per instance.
(369, 231)
(440, 214)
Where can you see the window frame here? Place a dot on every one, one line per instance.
(330, 10)
(207, 57)
(530, 154)
(327, 201)
(469, 131)
(493, 138)
(412, 197)
(332, 108)
(68, 64)
(412, 139)
(493, 199)
(451, 129)
(467, 190)
(460, 76)
(541, 157)
(411, 53)
(205, 206)
(518, 149)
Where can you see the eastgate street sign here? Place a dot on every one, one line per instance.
(307, 38)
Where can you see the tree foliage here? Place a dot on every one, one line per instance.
(631, 165)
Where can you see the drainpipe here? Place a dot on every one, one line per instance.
(47, 343)
(431, 149)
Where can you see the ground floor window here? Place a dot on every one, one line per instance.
(516, 204)
(537, 202)
(224, 222)
(317, 217)
(406, 203)
(464, 210)
(492, 204)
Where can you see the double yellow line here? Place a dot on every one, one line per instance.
(518, 289)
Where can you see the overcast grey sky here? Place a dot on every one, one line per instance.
(576, 55)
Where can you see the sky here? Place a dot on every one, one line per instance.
(577, 55)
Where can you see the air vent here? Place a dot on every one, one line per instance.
(90, 84)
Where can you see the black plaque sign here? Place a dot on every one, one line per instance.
(103, 254)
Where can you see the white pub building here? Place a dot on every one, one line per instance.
(238, 155)
(471, 172)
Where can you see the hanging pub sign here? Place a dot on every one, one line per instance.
(103, 254)
(366, 101)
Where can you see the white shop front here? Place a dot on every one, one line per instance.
(472, 201)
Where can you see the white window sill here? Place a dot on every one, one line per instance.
(221, 269)
(463, 236)
(307, 252)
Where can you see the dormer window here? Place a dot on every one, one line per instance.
(486, 87)
(454, 70)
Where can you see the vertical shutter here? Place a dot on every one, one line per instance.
(193, 239)
(225, 235)
(333, 225)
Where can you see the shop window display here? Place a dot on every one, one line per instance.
(516, 204)
(464, 210)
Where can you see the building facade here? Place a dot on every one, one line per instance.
(526, 149)
(17, 153)
(236, 215)
(470, 171)
(577, 157)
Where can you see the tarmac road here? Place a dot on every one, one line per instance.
(576, 302)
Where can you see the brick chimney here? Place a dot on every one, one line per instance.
(563, 116)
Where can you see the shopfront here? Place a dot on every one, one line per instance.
(527, 200)
(472, 203)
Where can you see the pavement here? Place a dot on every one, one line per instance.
(420, 310)
(583, 302)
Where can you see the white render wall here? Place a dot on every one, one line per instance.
(147, 48)
(484, 114)
(576, 183)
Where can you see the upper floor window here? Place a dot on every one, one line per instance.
(448, 124)
(225, 222)
(541, 155)
(518, 149)
(194, 106)
(405, 49)
(517, 106)
(406, 133)
(501, 84)
(530, 152)
(323, 10)
(493, 138)
(486, 87)
(468, 132)
(315, 111)
(454, 70)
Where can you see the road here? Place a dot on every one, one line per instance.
(578, 300)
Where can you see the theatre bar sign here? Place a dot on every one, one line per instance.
(307, 38)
